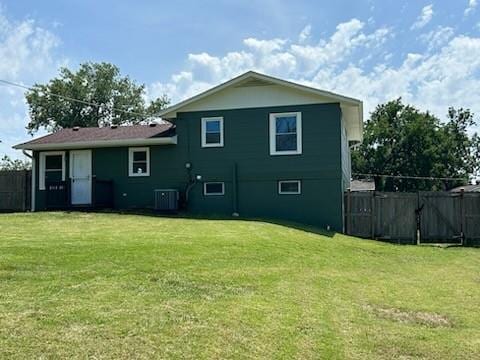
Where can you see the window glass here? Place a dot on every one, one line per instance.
(53, 162)
(212, 138)
(286, 133)
(216, 188)
(140, 156)
(139, 167)
(213, 126)
(286, 124)
(212, 132)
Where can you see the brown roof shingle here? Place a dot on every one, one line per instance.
(105, 133)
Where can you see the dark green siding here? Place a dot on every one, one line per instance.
(246, 144)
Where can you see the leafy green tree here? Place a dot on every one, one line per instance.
(116, 99)
(7, 163)
(401, 140)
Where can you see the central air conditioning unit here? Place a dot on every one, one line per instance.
(166, 199)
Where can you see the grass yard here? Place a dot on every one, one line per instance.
(82, 285)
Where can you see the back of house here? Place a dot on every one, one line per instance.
(256, 146)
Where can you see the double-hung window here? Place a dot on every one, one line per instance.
(139, 161)
(212, 132)
(52, 167)
(286, 133)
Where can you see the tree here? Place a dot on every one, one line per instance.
(401, 140)
(7, 163)
(116, 99)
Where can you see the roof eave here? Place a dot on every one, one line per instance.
(172, 140)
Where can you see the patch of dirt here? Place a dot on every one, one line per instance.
(410, 317)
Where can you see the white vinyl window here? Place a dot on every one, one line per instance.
(139, 161)
(212, 132)
(213, 188)
(286, 133)
(289, 187)
(52, 167)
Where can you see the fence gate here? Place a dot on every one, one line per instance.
(471, 212)
(395, 217)
(385, 216)
(441, 219)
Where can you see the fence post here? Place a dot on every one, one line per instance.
(462, 217)
(372, 215)
(418, 220)
(349, 212)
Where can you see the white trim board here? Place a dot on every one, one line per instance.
(240, 93)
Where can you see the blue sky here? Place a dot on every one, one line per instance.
(425, 51)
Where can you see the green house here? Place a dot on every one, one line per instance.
(254, 146)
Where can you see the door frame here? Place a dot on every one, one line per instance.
(90, 179)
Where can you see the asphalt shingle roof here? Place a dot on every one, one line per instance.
(105, 133)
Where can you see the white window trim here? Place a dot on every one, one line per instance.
(42, 164)
(130, 161)
(273, 133)
(204, 131)
(213, 194)
(299, 182)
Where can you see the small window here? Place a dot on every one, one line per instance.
(138, 161)
(213, 188)
(286, 133)
(52, 167)
(212, 132)
(289, 187)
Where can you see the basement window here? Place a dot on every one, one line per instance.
(213, 188)
(212, 132)
(52, 167)
(139, 161)
(286, 133)
(289, 187)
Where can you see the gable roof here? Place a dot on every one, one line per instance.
(102, 137)
(352, 109)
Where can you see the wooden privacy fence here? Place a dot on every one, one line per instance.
(411, 218)
(15, 190)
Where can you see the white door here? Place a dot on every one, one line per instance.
(81, 176)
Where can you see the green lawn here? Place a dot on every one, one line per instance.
(127, 286)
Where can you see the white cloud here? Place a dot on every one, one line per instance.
(27, 55)
(438, 37)
(472, 5)
(424, 18)
(445, 74)
(305, 34)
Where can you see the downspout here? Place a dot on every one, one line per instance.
(32, 208)
(235, 190)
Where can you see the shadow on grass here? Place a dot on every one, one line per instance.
(184, 215)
